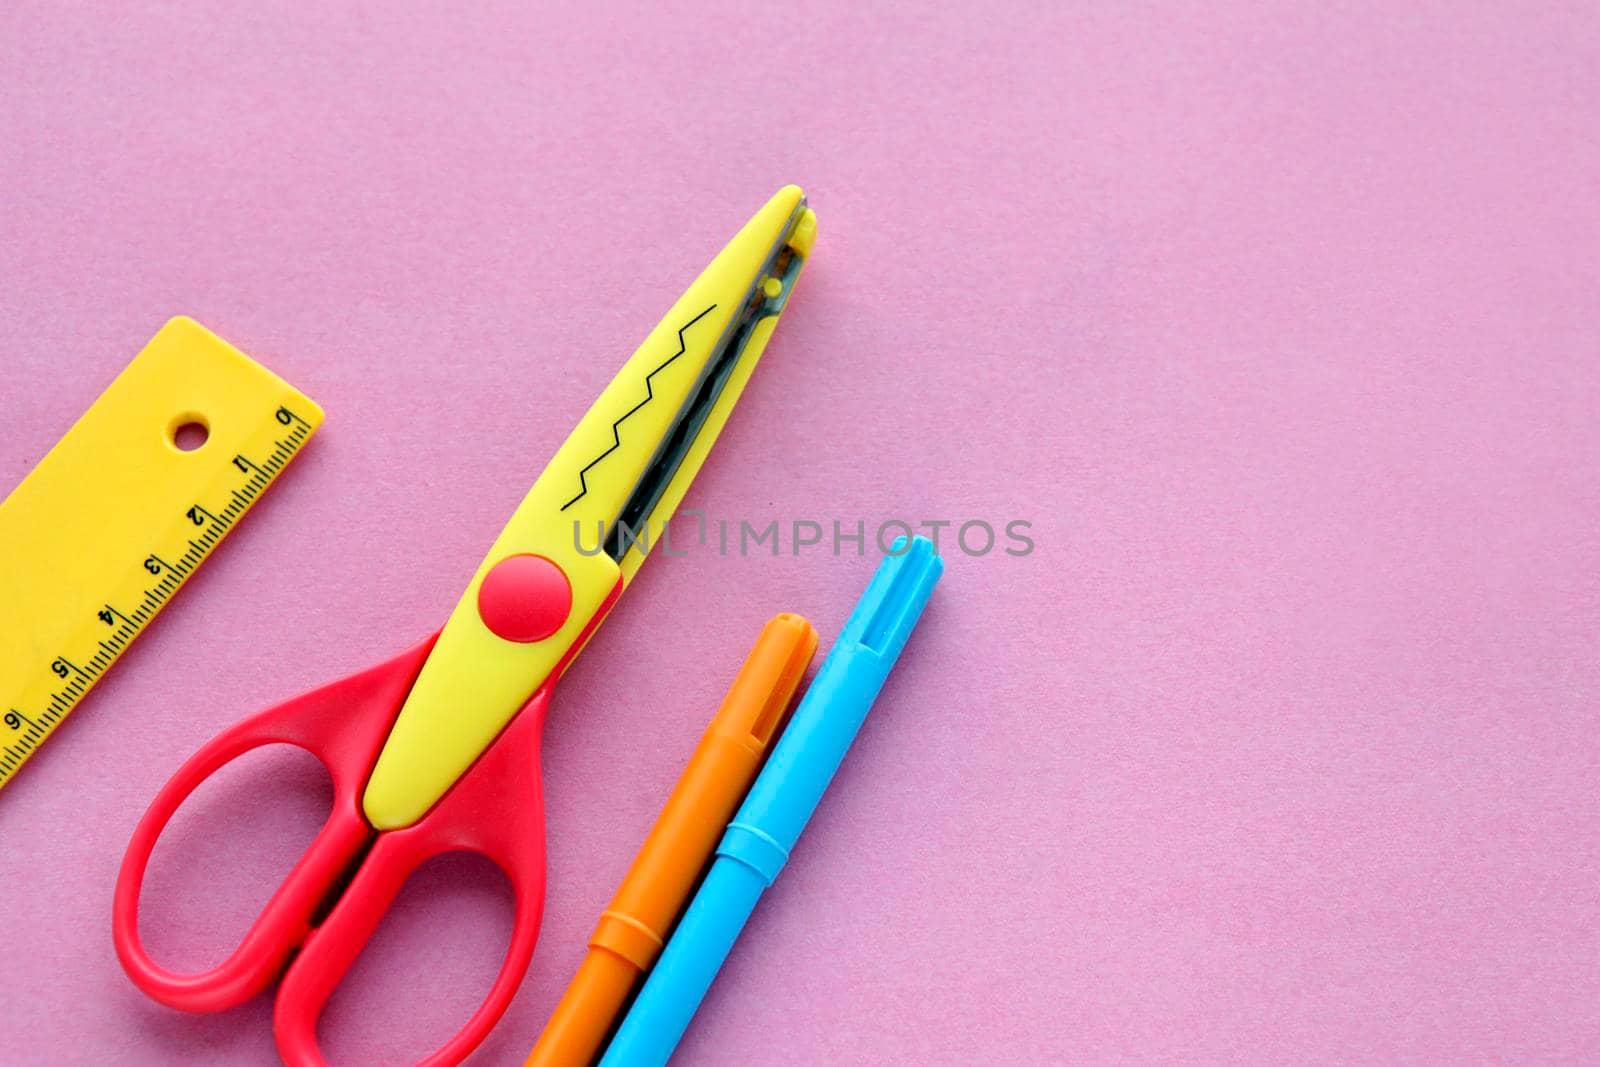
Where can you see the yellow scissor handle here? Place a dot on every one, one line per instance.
(511, 628)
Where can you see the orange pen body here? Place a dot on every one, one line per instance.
(634, 927)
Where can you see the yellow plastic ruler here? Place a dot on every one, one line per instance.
(114, 519)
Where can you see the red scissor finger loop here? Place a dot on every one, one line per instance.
(342, 724)
(495, 810)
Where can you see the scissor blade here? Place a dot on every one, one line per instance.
(627, 464)
(645, 437)
(700, 417)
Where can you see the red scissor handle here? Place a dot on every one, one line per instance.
(344, 725)
(496, 810)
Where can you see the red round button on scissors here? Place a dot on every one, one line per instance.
(437, 750)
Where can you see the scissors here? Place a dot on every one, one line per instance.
(437, 749)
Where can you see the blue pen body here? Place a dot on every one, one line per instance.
(780, 803)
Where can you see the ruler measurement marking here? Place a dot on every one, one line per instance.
(15, 718)
(67, 662)
(173, 574)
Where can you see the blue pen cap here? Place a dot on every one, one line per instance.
(888, 611)
(813, 745)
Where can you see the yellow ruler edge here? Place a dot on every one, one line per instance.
(112, 521)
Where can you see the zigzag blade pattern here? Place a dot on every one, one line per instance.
(649, 395)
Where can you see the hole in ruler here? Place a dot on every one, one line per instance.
(188, 432)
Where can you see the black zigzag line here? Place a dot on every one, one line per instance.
(649, 395)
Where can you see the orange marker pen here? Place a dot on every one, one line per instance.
(632, 930)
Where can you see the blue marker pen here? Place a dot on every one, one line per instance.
(779, 805)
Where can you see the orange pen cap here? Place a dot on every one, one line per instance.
(635, 925)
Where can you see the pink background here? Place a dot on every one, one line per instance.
(1279, 325)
